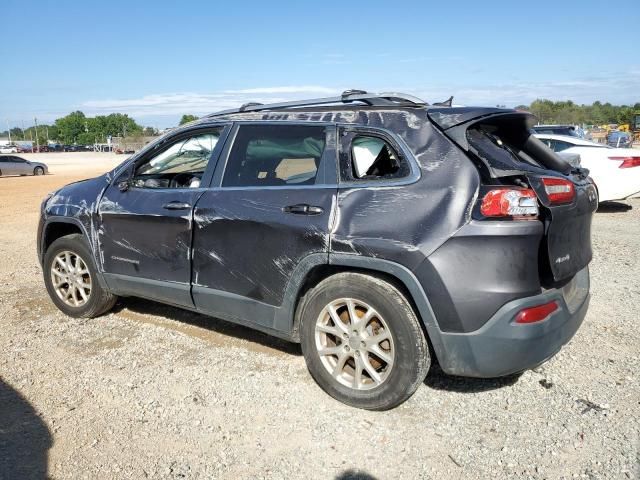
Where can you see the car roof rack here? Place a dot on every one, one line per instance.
(348, 96)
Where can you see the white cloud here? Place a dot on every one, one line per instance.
(616, 88)
(285, 90)
(202, 103)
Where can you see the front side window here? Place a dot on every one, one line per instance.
(181, 165)
(275, 155)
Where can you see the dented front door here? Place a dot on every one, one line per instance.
(146, 234)
(145, 216)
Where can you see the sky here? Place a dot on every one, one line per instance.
(158, 60)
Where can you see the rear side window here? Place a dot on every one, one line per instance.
(370, 157)
(558, 145)
(275, 155)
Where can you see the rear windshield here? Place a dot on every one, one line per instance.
(498, 147)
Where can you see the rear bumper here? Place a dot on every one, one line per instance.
(502, 347)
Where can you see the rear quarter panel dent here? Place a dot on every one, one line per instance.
(405, 224)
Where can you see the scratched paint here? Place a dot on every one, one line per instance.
(241, 241)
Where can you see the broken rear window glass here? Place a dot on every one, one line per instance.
(499, 149)
(373, 158)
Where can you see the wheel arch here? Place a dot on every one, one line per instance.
(59, 227)
(397, 275)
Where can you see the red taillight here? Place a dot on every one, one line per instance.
(627, 162)
(559, 190)
(510, 202)
(537, 313)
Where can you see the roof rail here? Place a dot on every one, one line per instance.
(348, 96)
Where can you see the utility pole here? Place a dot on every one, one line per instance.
(9, 130)
(24, 134)
(47, 129)
(35, 120)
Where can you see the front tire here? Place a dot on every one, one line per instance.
(362, 341)
(38, 171)
(70, 276)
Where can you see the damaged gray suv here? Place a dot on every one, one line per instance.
(381, 233)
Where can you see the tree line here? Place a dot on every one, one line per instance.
(77, 128)
(567, 112)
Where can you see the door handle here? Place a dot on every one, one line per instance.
(176, 206)
(313, 210)
(303, 209)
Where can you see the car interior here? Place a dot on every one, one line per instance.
(267, 156)
(179, 166)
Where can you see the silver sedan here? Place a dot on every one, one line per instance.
(13, 165)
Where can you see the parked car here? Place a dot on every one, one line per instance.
(619, 139)
(570, 130)
(13, 165)
(376, 231)
(8, 149)
(72, 148)
(614, 171)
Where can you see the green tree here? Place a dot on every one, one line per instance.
(187, 119)
(77, 128)
(72, 126)
(567, 112)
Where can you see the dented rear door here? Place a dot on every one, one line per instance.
(253, 230)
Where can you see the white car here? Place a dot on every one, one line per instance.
(8, 149)
(615, 171)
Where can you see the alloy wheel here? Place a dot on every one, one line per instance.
(71, 279)
(354, 343)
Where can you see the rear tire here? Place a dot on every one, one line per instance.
(71, 279)
(379, 355)
(38, 171)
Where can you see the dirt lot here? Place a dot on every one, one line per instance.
(152, 391)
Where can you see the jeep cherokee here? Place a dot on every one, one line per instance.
(378, 231)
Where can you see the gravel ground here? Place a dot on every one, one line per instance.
(150, 391)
